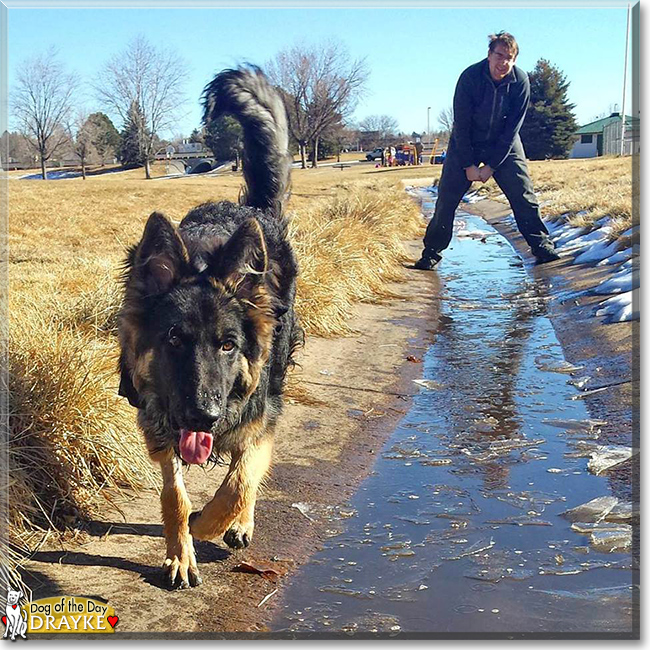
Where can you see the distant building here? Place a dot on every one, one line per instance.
(603, 137)
(190, 147)
(632, 137)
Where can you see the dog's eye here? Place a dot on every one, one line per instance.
(228, 346)
(173, 338)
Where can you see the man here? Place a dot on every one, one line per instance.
(489, 108)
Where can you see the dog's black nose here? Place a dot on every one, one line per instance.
(202, 418)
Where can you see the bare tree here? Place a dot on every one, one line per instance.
(383, 128)
(291, 72)
(446, 120)
(152, 78)
(343, 135)
(83, 133)
(321, 86)
(42, 101)
(339, 84)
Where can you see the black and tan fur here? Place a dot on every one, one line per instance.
(207, 327)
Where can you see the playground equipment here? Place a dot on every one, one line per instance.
(407, 154)
(432, 158)
(410, 153)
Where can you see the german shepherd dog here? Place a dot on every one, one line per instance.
(207, 330)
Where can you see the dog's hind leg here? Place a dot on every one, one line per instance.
(180, 564)
(231, 511)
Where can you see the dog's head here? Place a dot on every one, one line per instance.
(195, 331)
(13, 596)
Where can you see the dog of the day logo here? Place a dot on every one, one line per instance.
(56, 615)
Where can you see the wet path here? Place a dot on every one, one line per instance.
(458, 528)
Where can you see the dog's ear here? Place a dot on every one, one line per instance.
(243, 256)
(127, 389)
(161, 257)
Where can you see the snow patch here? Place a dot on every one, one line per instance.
(618, 309)
(51, 176)
(564, 234)
(473, 197)
(600, 250)
(595, 248)
(623, 280)
(582, 242)
(621, 256)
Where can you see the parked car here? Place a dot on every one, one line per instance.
(374, 154)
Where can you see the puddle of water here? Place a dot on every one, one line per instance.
(458, 528)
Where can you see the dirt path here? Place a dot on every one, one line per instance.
(359, 387)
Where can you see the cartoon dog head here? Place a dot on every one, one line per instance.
(13, 597)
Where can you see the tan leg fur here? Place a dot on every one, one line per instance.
(233, 504)
(180, 562)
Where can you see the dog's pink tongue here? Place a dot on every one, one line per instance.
(195, 446)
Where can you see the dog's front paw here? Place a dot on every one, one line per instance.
(180, 567)
(240, 533)
(236, 538)
(180, 575)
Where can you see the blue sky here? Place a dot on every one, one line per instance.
(414, 54)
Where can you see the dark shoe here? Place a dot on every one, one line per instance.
(427, 262)
(545, 254)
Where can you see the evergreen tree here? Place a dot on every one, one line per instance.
(131, 152)
(549, 128)
(196, 136)
(105, 137)
(224, 137)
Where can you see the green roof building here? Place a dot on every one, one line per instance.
(603, 137)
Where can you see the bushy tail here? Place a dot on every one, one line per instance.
(247, 95)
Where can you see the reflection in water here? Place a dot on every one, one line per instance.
(458, 529)
(482, 339)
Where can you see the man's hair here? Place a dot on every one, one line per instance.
(507, 40)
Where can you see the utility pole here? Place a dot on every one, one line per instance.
(428, 132)
(627, 41)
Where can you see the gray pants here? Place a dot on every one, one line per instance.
(513, 179)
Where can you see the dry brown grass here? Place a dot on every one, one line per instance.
(73, 442)
(70, 435)
(349, 250)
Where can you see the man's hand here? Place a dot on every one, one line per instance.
(473, 173)
(485, 173)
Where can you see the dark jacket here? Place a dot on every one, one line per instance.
(488, 116)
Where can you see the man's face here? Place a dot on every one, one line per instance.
(501, 62)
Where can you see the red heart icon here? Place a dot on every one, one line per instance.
(14, 606)
(4, 620)
(113, 621)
